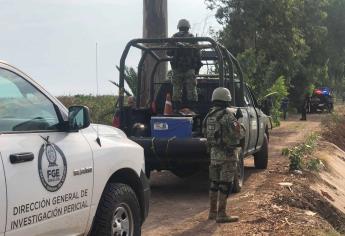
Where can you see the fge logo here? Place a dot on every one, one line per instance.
(53, 173)
(52, 166)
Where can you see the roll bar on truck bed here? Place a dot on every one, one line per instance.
(210, 51)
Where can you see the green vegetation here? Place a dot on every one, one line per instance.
(298, 154)
(131, 78)
(301, 40)
(280, 91)
(333, 126)
(101, 107)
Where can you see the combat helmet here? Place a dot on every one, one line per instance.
(221, 94)
(183, 23)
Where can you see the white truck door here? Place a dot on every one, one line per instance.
(48, 172)
(49, 179)
(3, 200)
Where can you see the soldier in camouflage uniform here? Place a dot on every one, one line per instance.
(185, 63)
(223, 133)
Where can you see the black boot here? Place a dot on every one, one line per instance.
(213, 205)
(222, 217)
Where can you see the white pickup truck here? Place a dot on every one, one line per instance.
(61, 175)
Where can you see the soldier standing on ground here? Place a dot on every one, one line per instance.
(223, 133)
(284, 106)
(305, 107)
(185, 64)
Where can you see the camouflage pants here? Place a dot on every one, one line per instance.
(223, 170)
(178, 79)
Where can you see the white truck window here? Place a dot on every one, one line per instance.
(23, 107)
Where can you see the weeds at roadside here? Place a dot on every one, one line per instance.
(298, 154)
(333, 126)
(314, 164)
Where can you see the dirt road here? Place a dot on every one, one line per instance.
(180, 206)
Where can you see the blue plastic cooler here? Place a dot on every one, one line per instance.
(168, 127)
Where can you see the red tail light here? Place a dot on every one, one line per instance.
(116, 121)
(318, 92)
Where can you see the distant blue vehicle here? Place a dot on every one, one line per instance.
(321, 100)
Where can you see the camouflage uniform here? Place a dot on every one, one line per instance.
(185, 62)
(223, 163)
(187, 77)
(223, 133)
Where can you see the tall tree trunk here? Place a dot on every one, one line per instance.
(155, 25)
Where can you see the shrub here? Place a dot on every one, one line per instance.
(280, 91)
(298, 153)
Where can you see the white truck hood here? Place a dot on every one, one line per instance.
(108, 131)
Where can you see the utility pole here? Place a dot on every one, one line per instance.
(155, 25)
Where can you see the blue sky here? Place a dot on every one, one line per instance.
(54, 40)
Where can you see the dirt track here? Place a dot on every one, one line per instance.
(180, 206)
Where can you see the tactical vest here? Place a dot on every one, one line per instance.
(216, 133)
(213, 128)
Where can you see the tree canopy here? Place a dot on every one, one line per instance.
(302, 41)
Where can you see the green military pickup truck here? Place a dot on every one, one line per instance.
(183, 149)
